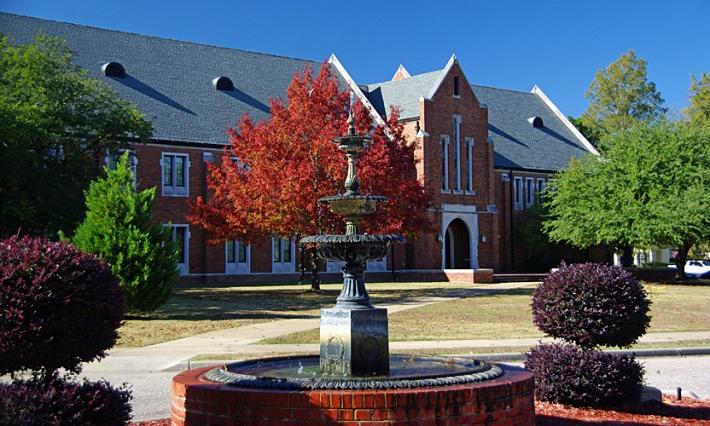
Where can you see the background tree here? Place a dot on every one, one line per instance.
(119, 228)
(56, 122)
(287, 162)
(698, 110)
(530, 234)
(620, 96)
(591, 133)
(651, 189)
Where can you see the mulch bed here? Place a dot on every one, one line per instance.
(688, 411)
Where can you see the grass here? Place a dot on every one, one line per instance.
(477, 350)
(506, 314)
(193, 311)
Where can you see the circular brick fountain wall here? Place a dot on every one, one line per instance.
(507, 400)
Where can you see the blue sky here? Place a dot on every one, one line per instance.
(558, 45)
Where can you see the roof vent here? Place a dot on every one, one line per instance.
(223, 83)
(536, 121)
(113, 69)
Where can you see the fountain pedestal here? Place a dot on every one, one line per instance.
(354, 342)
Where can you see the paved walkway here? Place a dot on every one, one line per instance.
(175, 353)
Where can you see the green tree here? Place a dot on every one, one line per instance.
(55, 123)
(118, 228)
(698, 110)
(650, 189)
(621, 96)
(590, 133)
(530, 234)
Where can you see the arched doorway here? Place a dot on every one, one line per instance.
(457, 248)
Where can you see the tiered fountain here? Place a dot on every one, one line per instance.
(354, 378)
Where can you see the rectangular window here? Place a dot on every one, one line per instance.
(236, 252)
(469, 165)
(457, 152)
(277, 249)
(445, 163)
(456, 86)
(518, 192)
(180, 235)
(540, 189)
(529, 192)
(175, 174)
(287, 251)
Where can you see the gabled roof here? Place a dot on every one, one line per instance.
(170, 80)
(517, 143)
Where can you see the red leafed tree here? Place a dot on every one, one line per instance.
(273, 173)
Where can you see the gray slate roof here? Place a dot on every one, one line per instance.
(518, 145)
(170, 80)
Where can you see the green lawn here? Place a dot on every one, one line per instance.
(192, 311)
(506, 314)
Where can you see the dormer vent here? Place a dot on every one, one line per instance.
(223, 83)
(113, 69)
(536, 121)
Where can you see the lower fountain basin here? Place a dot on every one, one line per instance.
(303, 372)
(352, 248)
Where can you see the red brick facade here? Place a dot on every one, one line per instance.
(475, 219)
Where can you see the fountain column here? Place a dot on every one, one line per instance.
(354, 337)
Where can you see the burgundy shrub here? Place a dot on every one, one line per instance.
(591, 304)
(567, 374)
(60, 307)
(58, 402)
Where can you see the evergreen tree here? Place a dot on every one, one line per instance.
(118, 227)
(698, 110)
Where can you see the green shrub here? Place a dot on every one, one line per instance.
(119, 228)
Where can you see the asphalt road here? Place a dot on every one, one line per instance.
(152, 393)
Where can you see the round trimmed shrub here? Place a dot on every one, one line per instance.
(59, 402)
(60, 307)
(570, 375)
(591, 304)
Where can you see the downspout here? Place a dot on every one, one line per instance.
(511, 186)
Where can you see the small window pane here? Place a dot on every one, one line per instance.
(179, 171)
(180, 241)
(444, 171)
(287, 251)
(277, 249)
(168, 170)
(230, 251)
(242, 252)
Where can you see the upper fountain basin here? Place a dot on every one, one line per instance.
(353, 205)
(352, 248)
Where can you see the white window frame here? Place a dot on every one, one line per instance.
(457, 153)
(112, 158)
(280, 266)
(183, 267)
(529, 192)
(237, 267)
(469, 166)
(174, 190)
(445, 141)
(518, 192)
(541, 185)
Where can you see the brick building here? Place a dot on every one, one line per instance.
(484, 153)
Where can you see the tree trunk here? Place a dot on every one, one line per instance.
(301, 264)
(627, 256)
(315, 268)
(680, 260)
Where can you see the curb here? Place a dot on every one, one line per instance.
(506, 356)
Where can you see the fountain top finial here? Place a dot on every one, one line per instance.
(351, 124)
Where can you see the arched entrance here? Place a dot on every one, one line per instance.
(457, 249)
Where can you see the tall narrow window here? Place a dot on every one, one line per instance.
(469, 165)
(529, 192)
(277, 249)
(518, 192)
(457, 152)
(237, 260)
(540, 189)
(282, 259)
(175, 174)
(180, 234)
(445, 163)
(456, 86)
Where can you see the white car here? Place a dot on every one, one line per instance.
(696, 268)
